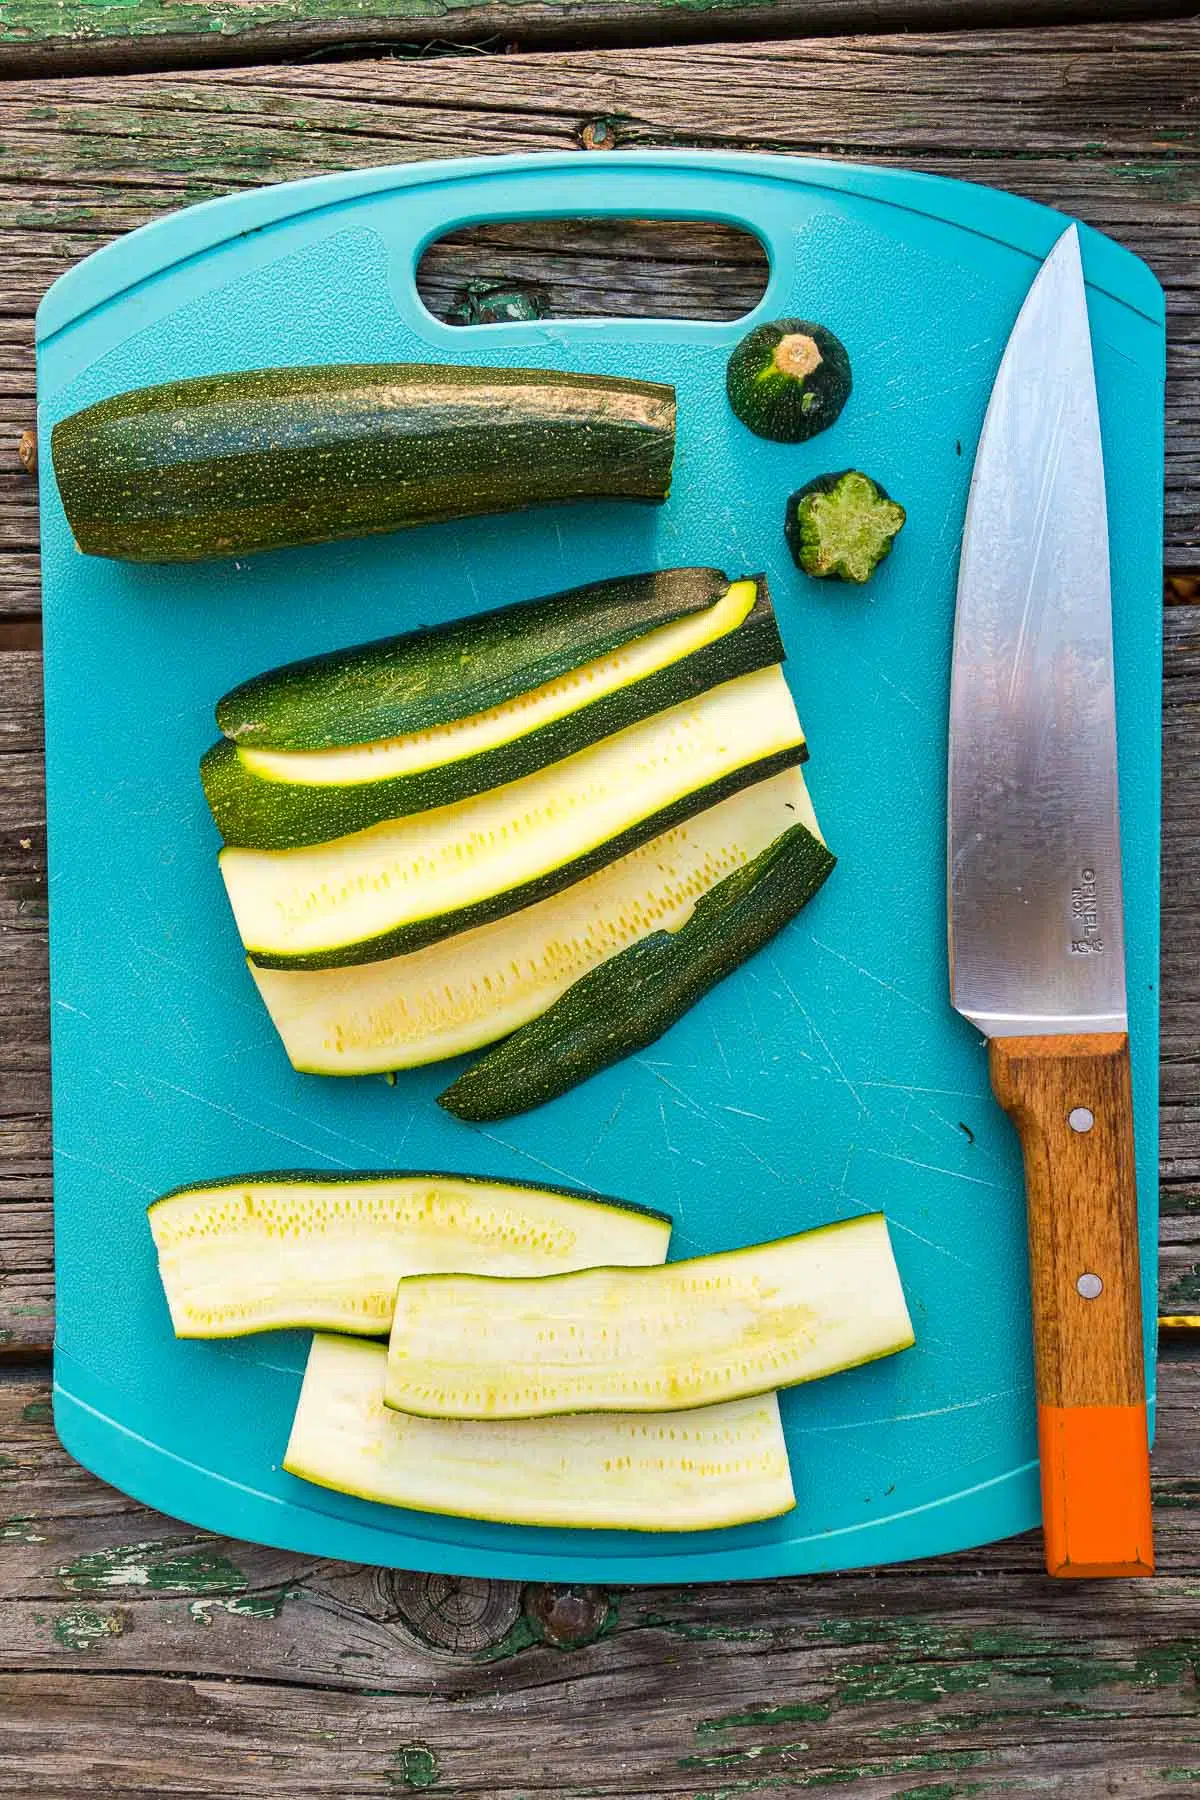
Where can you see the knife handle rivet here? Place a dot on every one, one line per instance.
(1081, 1118)
(1090, 1286)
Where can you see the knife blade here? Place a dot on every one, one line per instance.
(1037, 957)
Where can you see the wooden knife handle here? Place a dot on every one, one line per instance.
(1071, 1102)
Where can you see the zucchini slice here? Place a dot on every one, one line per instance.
(626, 1003)
(687, 1334)
(469, 990)
(224, 464)
(397, 886)
(277, 799)
(725, 1465)
(294, 1247)
(396, 686)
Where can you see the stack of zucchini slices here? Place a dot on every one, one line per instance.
(556, 824)
(546, 1366)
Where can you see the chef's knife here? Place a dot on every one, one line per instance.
(1036, 939)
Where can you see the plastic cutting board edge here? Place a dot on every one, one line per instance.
(828, 1077)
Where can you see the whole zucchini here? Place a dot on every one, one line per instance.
(259, 460)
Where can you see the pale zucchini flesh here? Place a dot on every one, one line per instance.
(688, 1334)
(721, 1466)
(396, 886)
(472, 989)
(297, 1248)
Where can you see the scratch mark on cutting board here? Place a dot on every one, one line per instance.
(716, 1038)
(694, 1107)
(672, 1147)
(908, 1087)
(539, 1162)
(821, 1039)
(87, 1162)
(931, 1412)
(897, 689)
(255, 1124)
(895, 1224)
(889, 987)
(753, 981)
(744, 1113)
(913, 1162)
(224, 990)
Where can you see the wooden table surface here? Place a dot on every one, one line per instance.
(139, 1657)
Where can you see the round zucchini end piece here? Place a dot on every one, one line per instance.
(788, 379)
(840, 527)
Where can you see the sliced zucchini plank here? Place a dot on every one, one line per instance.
(397, 686)
(224, 464)
(469, 990)
(627, 1002)
(397, 886)
(294, 1247)
(725, 1465)
(277, 799)
(687, 1334)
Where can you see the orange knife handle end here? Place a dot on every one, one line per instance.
(1096, 1490)
(1071, 1102)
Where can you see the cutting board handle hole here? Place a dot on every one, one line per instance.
(510, 270)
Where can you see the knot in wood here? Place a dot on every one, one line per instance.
(567, 1617)
(458, 1616)
(598, 134)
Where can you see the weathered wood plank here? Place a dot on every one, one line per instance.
(47, 37)
(1098, 120)
(26, 1280)
(168, 1662)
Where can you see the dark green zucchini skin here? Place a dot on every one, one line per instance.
(222, 465)
(276, 815)
(347, 1177)
(397, 685)
(628, 1002)
(789, 408)
(419, 932)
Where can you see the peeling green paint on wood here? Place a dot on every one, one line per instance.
(695, 1632)
(20, 1529)
(948, 1723)
(944, 1790)
(38, 1412)
(726, 1759)
(267, 1605)
(158, 1567)
(763, 1715)
(82, 1628)
(415, 1766)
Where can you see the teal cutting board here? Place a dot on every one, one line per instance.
(827, 1078)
